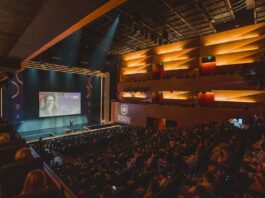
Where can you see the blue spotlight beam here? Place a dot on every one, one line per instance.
(100, 53)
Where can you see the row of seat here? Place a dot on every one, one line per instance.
(13, 173)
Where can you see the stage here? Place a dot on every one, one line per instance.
(61, 131)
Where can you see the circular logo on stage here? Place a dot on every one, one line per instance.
(124, 109)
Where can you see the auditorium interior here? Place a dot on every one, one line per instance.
(132, 98)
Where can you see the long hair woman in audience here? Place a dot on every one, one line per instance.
(35, 180)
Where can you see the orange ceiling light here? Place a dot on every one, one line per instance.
(135, 71)
(132, 65)
(168, 50)
(175, 47)
(134, 95)
(135, 55)
(172, 47)
(178, 65)
(236, 95)
(233, 60)
(237, 58)
(169, 59)
(177, 95)
(247, 32)
(183, 54)
(136, 62)
(139, 95)
(109, 5)
(126, 94)
(243, 49)
(230, 39)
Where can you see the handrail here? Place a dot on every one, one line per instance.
(73, 134)
(49, 133)
(55, 179)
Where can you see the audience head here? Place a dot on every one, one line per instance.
(4, 137)
(35, 180)
(212, 168)
(208, 177)
(152, 188)
(23, 154)
(201, 192)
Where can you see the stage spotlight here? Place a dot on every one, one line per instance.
(100, 53)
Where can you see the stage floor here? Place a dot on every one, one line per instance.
(53, 132)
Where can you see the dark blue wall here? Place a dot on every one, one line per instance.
(39, 80)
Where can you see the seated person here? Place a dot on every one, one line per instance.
(23, 154)
(152, 188)
(35, 180)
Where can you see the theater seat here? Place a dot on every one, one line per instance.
(49, 192)
(7, 154)
(13, 142)
(12, 176)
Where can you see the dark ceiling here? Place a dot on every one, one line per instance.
(148, 23)
(15, 16)
(28, 25)
(143, 24)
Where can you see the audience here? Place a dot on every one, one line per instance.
(4, 137)
(138, 162)
(23, 154)
(35, 180)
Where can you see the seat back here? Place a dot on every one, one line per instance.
(12, 176)
(49, 192)
(7, 154)
(12, 142)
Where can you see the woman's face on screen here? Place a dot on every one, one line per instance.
(50, 102)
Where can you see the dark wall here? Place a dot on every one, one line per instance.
(39, 80)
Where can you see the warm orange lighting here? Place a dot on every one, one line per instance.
(169, 59)
(230, 38)
(176, 47)
(139, 95)
(126, 94)
(234, 62)
(134, 95)
(135, 72)
(172, 47)
(237, 50)
(176, 68)
(165, 51)
(135, 55)
(176, 95)
(236, 95)
(235, 100)
(179, 55)
(136, 64)
(178, 65)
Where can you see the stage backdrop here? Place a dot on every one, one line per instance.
(35, 81)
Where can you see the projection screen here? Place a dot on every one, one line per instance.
(59, 103)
